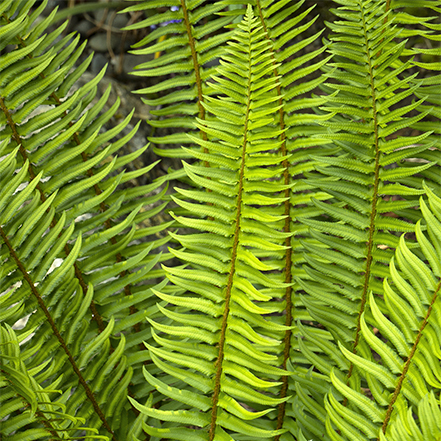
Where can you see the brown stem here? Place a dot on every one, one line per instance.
(372, 226)
(408, 362)
(56, 332)
(286, 229)
(229, 287)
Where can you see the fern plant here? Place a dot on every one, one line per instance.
(306, 304)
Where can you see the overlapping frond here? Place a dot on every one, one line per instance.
(71, 238)
(404, 373)
(376, 182)
(298, 119)
(185, 42)
(218, 337)
(29, 411)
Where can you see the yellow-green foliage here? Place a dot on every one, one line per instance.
(306, 304)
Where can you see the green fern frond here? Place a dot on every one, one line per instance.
(236, 286)
(183, 44)
(360, 229)
(297, 75)
(33, 412)
(407, 340)
(61, 205)
(42, 288)
(405, 428)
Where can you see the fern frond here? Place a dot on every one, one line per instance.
(361, 227)
(41, 288)
(70, 211)
(405, 428)
(186, 46)
(283, 22)
(407, 340)
(32, 412)
(236, 286)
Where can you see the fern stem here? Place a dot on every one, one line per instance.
(229, 287)
(56, 332)
(286, 229)
(197, 69)
(372, 229)
(17, 138)
(408, 362)
(95, 314)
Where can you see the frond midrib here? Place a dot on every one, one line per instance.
(408, 362)
(286, 229)
(219, 361)
(373, 215)
(56, 331)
